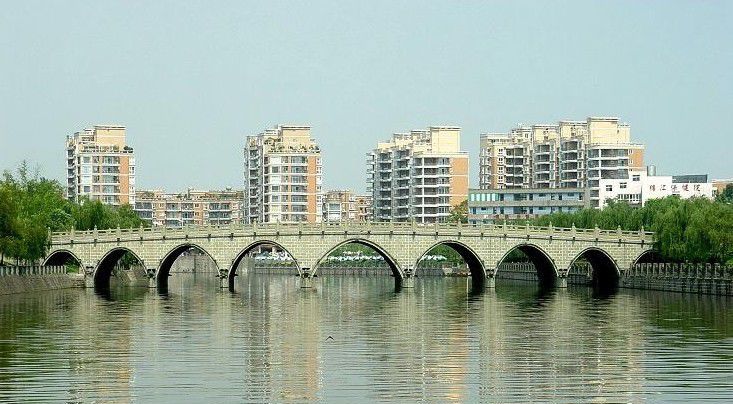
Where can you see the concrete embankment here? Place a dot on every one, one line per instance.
(37, 278)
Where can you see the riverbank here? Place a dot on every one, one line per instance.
(24, 279)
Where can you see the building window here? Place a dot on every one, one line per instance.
(622, 185)
(609, 188)
(636, 177)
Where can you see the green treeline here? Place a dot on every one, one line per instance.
(31, 205)
(686, 230)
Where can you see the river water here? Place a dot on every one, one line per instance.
(355, 338)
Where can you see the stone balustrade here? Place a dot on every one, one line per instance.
(32, 270)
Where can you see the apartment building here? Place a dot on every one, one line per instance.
(569, 154)
(497, 205)
(418, 175)
(100, 166)
(346, 206)
(283, 176)
(641, 186)
(364, 208)
(192, 207)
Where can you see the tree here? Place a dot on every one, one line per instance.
(8, 221)
(727, 195)
(459, 213)
(696, 229)
(31, 205)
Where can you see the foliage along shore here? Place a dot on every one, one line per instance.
(31, 205)
(686, 230)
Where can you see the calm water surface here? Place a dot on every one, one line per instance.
(438, 342)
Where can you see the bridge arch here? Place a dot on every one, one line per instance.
(166, 263)
(547, 272)
(648, 256)
(388, 258)
(246, 250)
(62, 257)
(604, 270)
(106, 264)
(472, 260)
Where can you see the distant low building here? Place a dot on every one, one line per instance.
(192, 207)
(364, 212)
(719, 186)
(641, 186)
(496, 205)
(346, 206)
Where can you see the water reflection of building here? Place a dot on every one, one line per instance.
(435, 342)
(282, 333)
(559, 346)
(101, 365)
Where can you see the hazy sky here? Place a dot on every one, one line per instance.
(191, 79)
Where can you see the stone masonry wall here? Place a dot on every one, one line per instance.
(36, 278)
(713, 279)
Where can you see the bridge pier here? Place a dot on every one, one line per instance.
(306, 279)
(490, 281)
(562, 280)
(89, 277)
(408, 281)
(152, 279)
(223, 279)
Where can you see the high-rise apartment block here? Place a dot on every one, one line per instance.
(100, 166)
(569, 154)
(418, 176)
(190, 208)
(346, 206)
(282, 176)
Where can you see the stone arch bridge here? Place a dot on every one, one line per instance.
(553, 251)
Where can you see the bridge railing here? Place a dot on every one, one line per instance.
(354, 227)
(28, 270)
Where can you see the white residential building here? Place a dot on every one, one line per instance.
(100, 166)
(418, 176)
(283, 176)
(569, 154)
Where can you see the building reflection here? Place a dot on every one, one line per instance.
(270, 342)
(101, 365)
(283, 333)
(580, 348)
